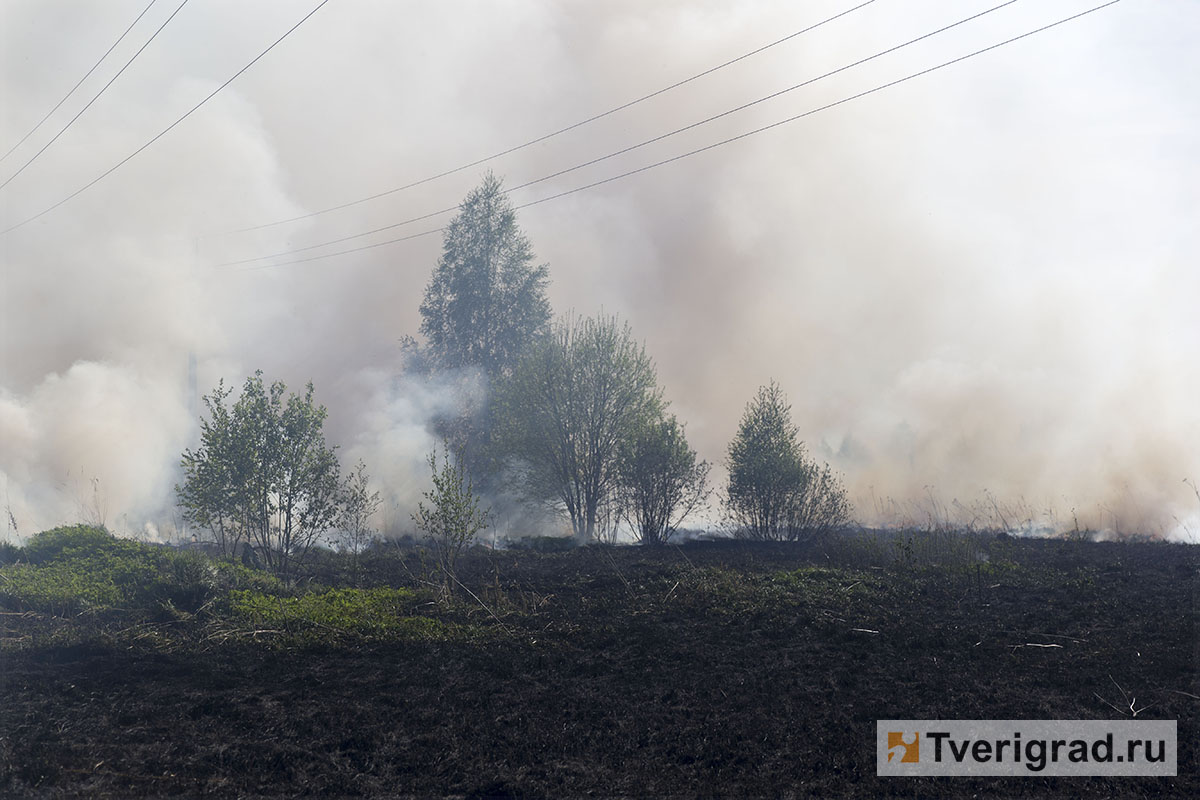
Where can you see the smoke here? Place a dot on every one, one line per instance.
(977, 288)
(393, 432)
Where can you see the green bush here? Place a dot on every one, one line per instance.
(9, 553)
(73, 542)
(82, 568)
(234, 575)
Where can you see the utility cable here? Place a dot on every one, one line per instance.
(96, 97)
(551, 135)
(715, 145)
(166, 130)
(631, 148)
(80, 83)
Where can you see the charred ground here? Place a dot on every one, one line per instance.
(710, 669)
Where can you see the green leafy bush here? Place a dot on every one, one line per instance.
(75, 542)
(82, 568)
(233, 575)
(9, 553)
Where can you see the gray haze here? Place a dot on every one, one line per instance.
(978, 286)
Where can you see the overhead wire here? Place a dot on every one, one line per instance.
(714, 145)
(560, 131)
(166, 130)
(96, 97)
(631, 148)
(86, 75)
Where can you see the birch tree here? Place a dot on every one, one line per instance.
(567, 409)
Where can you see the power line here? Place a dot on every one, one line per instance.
(631, 148)
(339, 253)
(571, 127)
(80, 83)
(167, 129)
(96, 97)
(764, 99)
(715, 145)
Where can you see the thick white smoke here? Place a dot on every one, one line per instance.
(977, 288)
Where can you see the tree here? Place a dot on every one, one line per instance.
(309, 488)
(568, 407)
(359, 504)
(484, 304)
(263, 473)
(453, 516)
(661, 482)
(212, 473)
(486, 301)
(775, 491)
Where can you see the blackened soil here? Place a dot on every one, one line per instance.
(693, 672)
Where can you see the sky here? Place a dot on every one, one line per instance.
(978, 288)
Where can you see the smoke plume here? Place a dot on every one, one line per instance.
(978, 288)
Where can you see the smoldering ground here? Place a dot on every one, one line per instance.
(977, 284)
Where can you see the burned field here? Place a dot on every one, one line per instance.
(709, 669)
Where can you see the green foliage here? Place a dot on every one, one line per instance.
(660, 479)
(263, 473)
(83, 568)
(484, 305)
(65, 588)
(486, 300)
(775, 491)
(72, 542)
(369, 612)
(217, 475)
(234, 575)
(359, 504)
(453, 515)
(575, 398)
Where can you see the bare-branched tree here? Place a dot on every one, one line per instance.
(568, 407)
(359, 504)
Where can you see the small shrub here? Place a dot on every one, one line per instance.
(453, 515)
(234, 575)
(187, 580)
(776, 492)
(74, 541)
(9, 553)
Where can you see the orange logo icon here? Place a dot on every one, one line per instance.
(911, 749)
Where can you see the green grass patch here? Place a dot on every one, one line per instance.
(821, 582)
(380, 611)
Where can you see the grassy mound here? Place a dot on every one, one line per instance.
(81, 568)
